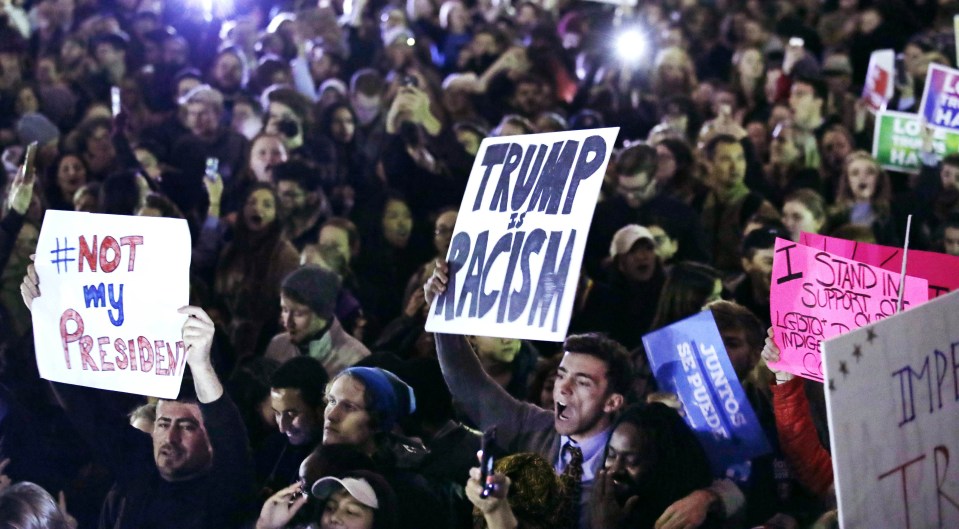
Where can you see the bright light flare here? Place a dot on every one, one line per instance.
(631, 45)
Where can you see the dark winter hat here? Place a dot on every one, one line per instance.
(314, 287)
(35, 127)
(393, 399)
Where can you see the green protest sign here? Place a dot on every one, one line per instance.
(897, 141)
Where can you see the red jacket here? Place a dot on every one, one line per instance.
(810, 462)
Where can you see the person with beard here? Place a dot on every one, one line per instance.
(250, 270)
(307, 303)
(200, 475)
(625, 303)
(296, 398)
(652, 460)
(303, 205)
(637, 202)
(229, 74)
(593, 380)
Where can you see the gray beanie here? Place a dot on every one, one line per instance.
(35, 127)
(315, 287)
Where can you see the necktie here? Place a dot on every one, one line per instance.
(573, 478)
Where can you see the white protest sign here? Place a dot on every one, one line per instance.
(879, 86)
(110, 287)
(893, 401)
(519, 239)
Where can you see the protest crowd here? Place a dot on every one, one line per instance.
(319, 153)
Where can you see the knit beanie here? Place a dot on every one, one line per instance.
(393, 399)
(315, 287)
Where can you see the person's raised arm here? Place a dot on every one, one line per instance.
(495, 508)
(18, 202)
(483, 400)
(797, 432)
(198, 338)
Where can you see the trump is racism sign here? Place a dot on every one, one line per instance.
(517, 248)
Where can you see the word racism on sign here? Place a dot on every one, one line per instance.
(817, 295)
(110, 289)
(939, 269)
(879, 85)
(688, 358)
(893, 404)
(897, 141)
(517, 248)
(940, 99)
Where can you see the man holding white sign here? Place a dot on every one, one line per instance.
(508, 277)
(200, 475)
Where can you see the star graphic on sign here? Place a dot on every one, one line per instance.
(870, 335)
(857, 352)
(843, 369)
(832, 386)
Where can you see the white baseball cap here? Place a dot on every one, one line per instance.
(627, 236)
(359, 488)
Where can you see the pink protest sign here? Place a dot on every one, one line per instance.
(941, 270)
(817, 295)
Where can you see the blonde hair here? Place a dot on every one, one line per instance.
(881, 197)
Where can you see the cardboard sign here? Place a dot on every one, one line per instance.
(879, 85)
(110, 288)
(688, 358)
(518, 245)
(897, 141)
(817, 295)
(955, 34)
(940, 99)
(939, 269)
(893, 406)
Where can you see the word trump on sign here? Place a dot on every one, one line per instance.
(816, 295)
(893, 407)
(110, 289)
(518, 244)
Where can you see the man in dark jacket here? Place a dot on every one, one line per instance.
(200, 475)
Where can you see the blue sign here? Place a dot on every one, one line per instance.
(688, 358)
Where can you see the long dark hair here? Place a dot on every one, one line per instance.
(685, 292)
(51, 185)
(27, 506)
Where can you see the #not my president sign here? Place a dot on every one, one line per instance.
(893, 406)
(110, 289)
(517, 248)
